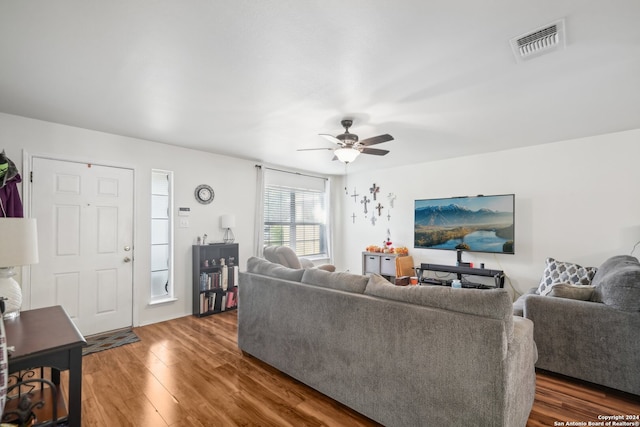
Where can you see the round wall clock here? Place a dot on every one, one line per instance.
(204, 194)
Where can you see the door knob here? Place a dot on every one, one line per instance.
(127, 259)
(127, 248)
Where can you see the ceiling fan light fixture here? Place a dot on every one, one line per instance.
(346, 155)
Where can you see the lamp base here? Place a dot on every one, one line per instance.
(10, 289)
(228, 236)
(11, 315)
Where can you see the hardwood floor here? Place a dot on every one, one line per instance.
(189, 372)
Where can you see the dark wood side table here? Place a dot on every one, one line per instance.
(47, 337)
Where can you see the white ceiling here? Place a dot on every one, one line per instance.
(260, 79)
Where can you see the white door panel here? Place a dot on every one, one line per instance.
(85, 222)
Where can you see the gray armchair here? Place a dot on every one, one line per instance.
(284, 255)
(594, 340)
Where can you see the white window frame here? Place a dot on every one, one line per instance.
(297, 185)
(168, 295)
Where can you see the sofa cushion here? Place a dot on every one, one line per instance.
(491, 303)
(577, 292)
(266, 268)
(518, 305)
(341, 281)
(617, 283)
(557, 272)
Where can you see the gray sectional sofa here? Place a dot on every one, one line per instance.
(591, 332)
(402, 356)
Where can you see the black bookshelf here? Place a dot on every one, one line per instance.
(215, 274)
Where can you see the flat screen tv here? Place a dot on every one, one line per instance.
(477, 223)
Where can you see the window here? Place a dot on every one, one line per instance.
(296, 217)
(161, 237)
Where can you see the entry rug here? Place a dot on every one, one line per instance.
(96, 343)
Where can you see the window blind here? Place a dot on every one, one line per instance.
(296, 218)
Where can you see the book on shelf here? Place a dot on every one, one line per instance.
(224, 273)
(233, 276)
(204, 303)
(236, 272)
(231, 299)
(215, 280)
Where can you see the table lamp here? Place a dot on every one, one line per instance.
(19, 247)
(228, 222)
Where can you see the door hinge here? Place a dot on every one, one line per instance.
(31, 176)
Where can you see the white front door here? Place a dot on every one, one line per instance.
(85, 239)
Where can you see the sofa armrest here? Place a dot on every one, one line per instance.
(523, 338)
(586, 340)
(576, 312)
(520, 388)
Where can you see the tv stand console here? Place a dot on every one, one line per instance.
(498, 275)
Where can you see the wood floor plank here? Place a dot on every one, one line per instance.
(190, 372)
(560, 400)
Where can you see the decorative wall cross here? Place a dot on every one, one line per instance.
(374, 190)
(391, 198)
(373, 220)
(389, 217)
(379, 207)
(355, 195)
(364, 201)
(353, 217)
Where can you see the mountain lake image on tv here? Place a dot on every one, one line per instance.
(478, 223)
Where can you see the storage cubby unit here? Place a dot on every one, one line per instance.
(215, 278)
(383, 264)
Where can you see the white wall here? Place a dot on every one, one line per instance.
(576, 201)
(233, 181)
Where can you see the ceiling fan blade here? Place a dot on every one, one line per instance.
(314, 149)
(331, 138)
(376, 140)
(374, 151)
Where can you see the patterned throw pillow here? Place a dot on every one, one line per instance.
(557, 272)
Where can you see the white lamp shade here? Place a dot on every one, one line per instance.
(227, 221)
(346, 155)
(19, 242)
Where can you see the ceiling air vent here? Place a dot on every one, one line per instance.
(539, 41)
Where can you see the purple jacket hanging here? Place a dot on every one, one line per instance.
(10, 202)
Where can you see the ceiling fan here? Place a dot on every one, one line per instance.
(349, 147)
